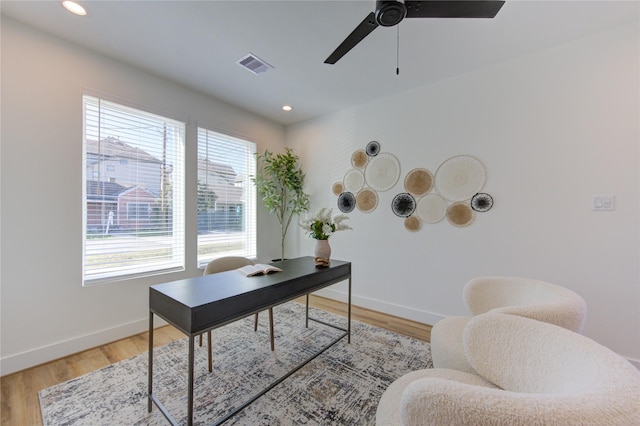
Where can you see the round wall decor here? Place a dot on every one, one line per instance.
(373, 148)
(459, 178)
(403, 204)
(418, 181)
(353, 181)
(346, 202)
(367, 200)
(431, 208)
(337, 188)
(460, 214)
(382, 172)
(412, 223)
(482, 202)
(359, 159)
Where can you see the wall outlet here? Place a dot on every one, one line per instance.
(603, 203)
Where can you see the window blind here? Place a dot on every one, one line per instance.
(133, 192)
(226, 196)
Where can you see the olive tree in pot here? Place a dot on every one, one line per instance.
(279, 181)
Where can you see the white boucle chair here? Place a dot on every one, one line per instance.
(524, 297)
(528, 373)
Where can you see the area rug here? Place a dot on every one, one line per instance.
(342, 386)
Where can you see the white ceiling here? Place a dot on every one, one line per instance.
(197, 44)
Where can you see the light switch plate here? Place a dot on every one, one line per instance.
(603, 203)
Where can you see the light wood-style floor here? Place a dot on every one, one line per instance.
(20, 406)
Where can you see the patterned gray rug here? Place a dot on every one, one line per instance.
(341, 387)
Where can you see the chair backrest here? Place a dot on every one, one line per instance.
(226, 264)
(526, 356)
(526, 297)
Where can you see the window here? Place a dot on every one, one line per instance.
(226, 196)
(138, 211)
(134, 217)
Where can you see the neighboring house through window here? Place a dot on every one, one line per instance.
(226, 196)
(133, 192)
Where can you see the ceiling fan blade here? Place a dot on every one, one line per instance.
(366, 26)
(452, 9)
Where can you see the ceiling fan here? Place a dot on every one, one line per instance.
(390, 12)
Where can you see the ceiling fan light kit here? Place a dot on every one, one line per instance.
(389, 13)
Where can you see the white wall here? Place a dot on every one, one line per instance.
(552, 129)
(46, 312)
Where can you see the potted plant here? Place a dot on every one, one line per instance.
(279, 181)
(320, 227)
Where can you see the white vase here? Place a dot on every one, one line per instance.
(323, 250)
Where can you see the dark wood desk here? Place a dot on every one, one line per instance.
(196, 305)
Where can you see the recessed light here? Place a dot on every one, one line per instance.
(287, 108)
(74, 7)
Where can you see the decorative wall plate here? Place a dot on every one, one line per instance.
(337, 188)
(412, 223)
(482, 202)
(373, 148)
(418, 181)
(460, 214)
(383, 172)
(359, 159)
(460, 177)
(353, 181)
(403, 204)
(431, 208)
(346, 202)
(367, 200)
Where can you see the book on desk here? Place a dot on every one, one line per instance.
(258, 269)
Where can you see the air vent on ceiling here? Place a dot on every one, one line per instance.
(254, 64)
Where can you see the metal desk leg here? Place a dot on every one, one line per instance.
(150, 368)
(271, 329)
(190, 384)
(307, 312)
(349, 314)
(209, 349)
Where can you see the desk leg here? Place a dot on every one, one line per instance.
(150, 368)
(271, 329)
(190, 384)
(307, 312)
(349, 313)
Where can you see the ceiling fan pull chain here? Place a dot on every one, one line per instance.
(398, 51)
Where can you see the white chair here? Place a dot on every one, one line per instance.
(528, 373)
(229, 263)
(524, 297)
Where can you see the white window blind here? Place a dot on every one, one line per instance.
(226, 196)
(133, 198)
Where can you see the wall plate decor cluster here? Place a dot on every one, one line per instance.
(373, 171)
(452, 192)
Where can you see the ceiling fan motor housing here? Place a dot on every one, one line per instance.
(390, 12)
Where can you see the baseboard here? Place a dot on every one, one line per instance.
(44, 354)
(401, 311)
